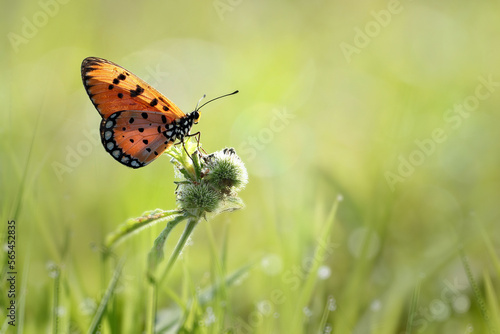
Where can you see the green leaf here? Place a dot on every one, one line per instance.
(135, 225)
(156, 254)
(94, 326)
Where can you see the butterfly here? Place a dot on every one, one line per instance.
(138, 123)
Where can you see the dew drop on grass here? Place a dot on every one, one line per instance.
(265, 307)
(209, 317)
(240, 279)
(272, 265)
(332, 304)
(461, 304)
(376, 305)
(276, 315)
(88, 306)
(61, 311)
(324, 272)
(328, 329)
(307, 311)
(52, 269)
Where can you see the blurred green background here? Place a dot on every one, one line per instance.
(391, 105)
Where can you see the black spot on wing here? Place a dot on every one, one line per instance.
(137, 91)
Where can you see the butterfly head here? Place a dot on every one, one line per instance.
(196, 116)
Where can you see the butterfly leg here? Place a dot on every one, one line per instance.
(185, 150)
(198, 137)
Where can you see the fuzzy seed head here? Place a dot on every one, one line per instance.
(226, 172)
(199, 197)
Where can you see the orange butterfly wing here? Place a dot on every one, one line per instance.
(135, 138)
(138, 123)
(113, 88)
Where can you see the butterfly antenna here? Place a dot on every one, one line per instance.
(213, 100)
(197, 104)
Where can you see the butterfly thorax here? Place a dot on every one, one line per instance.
(182, 126)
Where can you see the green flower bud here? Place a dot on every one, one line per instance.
(198, 198)
(225, 171)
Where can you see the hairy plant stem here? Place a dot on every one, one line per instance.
(155, 283)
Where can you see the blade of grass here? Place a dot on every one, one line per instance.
(324, 318)
(492, 299)
(94, 326)
(476, 291)
(152, 306)
(55, 306)
(18, 200)
(491, 249)
(209, 293)
(413, 306)
(318, 258)
(218, 277)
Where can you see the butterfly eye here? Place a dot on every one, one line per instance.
(196, 116)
